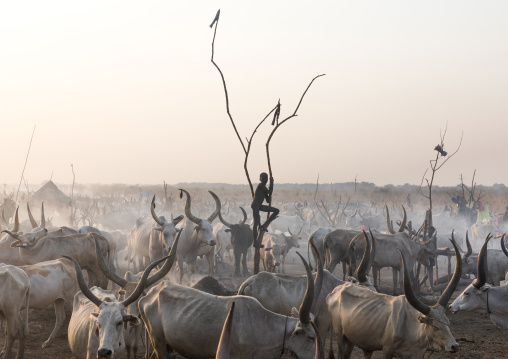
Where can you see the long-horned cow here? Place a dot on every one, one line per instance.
(188, 321)
(39, 248)
(52, 283)
(197, 237)
(152, 240)
(482, 297)
(241, 239)
(14, 293)
(96, 328)
(400, 326)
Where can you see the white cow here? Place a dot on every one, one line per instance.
(96, 328)
(52, 283)
(482, 297)
(197, 238)
(189, 321)
(14, 293)
(400, 326)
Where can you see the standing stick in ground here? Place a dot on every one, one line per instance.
(26, 160)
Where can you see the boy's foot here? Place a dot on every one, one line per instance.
(257, 245)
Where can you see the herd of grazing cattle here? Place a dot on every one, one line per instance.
(44, 266)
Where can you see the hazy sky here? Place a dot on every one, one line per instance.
(125, 90)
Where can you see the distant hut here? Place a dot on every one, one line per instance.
(51, 196)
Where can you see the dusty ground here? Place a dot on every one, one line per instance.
(477, 336)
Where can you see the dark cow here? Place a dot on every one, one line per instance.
(241, 239)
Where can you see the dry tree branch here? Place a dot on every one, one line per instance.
(26, 160)
(246, 150)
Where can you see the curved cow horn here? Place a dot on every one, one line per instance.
(152, 210)
(32, 220)
(217, 207)
(408, 291)
(15, 235)
(16, 221)
(320, 348)
(225, 337)
(469, 248)
(108, 273)
(161, 273)
(388, 222)
(188, 212)
(404, 220)
(503, 246)
(318, 281)
(142, 283)
(372, 252)
(82, 285)
(362, 268)
(481, 271)
(224, 222)
(43, 219)
(354, 214)
(450, 288)
(244, 216)
(304, 312)
(445, 297)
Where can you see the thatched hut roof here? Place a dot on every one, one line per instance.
(49, 193)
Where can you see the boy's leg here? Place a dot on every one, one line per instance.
(274, 213)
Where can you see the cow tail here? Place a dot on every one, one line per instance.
(27, 309)
(330, 353)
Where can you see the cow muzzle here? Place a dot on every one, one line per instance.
(453, 348)
(213, 242)
(104, 353)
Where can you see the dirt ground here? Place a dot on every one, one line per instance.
(476, 335)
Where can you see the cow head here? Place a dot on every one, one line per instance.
(203, 228)
(112, 318)
(436, 324)
(474, 297)
(301, 341)
(469, 263)
(27, 239)
(292, 240)
(241, 232)
(167, 229)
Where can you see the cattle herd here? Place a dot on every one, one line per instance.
(162, 285)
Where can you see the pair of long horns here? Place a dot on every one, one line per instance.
(197, 220)
(32, 220)
(389, 223)
(135, 294)
(292, 235)
(229, 225)
(367, 259)
(445, 297)
(159, 221)
(154, 278)
(481, 269)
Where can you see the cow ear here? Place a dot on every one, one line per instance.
(294, 313)
(158, 228)
(423, 319)
(227, 230)
(95, 314)
(132, 319)
(485, 288)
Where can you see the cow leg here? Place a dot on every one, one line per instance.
(395, 274)
(367, 354)
(60, 317)
(210, 263)
(283, 261)
(343, 271)
(375, 274)
(237, 262)
(388, 353)
(135, 342)
(244, 265)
